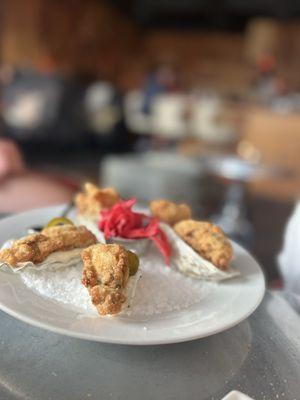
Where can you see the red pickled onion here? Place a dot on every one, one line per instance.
(121, 221)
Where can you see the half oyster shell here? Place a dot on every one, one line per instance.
(130, 293)
(191, 263)
(91, 225)
(55, 260)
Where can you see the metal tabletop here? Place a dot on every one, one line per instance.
(260, 357)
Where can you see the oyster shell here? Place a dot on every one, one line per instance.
(130, 292)
(92, 225)
(55, 260)
(55, 246)
(191, 263)
(139, 246)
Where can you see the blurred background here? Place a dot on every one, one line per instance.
(195, 101)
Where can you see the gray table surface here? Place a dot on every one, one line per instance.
(260, 356)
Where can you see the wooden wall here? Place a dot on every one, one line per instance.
(87, 37)
(91, 37)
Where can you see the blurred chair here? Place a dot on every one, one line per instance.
(43, 108)
(104, 117)
(102, 108)
(168, 116)
(136, 119)
(208, 122)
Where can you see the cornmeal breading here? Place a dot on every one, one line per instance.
(105, 274)
(170, 212)
(37, 247)
(65, 237)
(208, 240)
(34, 248)
(94, 199)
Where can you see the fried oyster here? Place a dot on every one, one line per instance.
(208, 240)
(105, 274)
(170, 212)
(37, 247)
(93, 199)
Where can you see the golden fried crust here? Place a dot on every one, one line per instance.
(170, 212)
(37, 247)
(94, 199)
(208, 240)
(30, 248)
(66, 237)
(105, 274)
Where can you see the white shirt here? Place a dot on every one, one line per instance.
(289, 259)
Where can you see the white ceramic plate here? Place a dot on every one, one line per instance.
(220, 307)
(236, 395)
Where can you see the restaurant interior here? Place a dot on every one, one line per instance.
(149, 200)
(186, 101)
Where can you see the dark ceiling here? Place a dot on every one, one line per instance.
(222, 14)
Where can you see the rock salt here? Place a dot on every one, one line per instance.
(160, 290)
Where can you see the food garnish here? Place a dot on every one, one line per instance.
(134, 262)
(121, 221)
(59, 221)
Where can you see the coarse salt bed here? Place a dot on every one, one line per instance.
(63, 285)
(164, 289)
(161, 289)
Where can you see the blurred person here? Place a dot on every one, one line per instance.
(266, 66)
(7, 73)
(22, 188)
(162, 79)
(289, 259)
